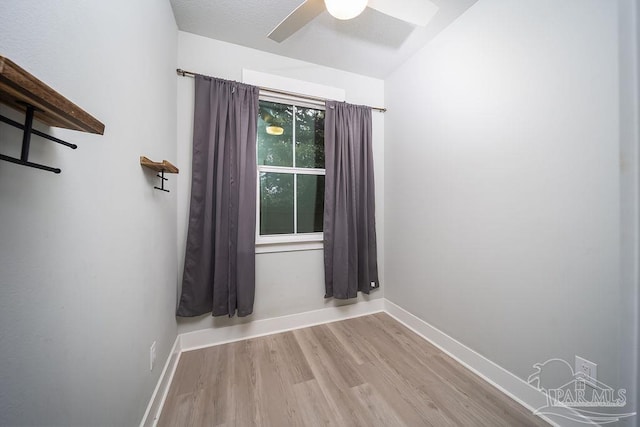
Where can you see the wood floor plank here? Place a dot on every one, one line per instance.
(340, 358)
(313, 404)
(457, 384)
(426, 380)
(378, 408)
(347, 409)
(295, 365)
(177, 409)
(344, 335)
(466, 383)
(413, 405)
(276, 400)
(450, 403)
(244, 398)
(366, 371)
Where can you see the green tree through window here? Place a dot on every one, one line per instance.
(291, 169)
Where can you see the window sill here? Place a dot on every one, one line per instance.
(271, 247)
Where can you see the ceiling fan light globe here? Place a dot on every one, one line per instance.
(274, 130)
(345, 9)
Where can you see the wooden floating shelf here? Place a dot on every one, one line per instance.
(18, 88)
(160, 167)
(163, 166)
(25, 93)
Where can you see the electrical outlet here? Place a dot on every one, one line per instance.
(589, 369)
(152, 356)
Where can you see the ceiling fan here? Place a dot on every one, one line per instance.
(417, 12)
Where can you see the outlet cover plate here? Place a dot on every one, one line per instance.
(588, 368)
(152, 356)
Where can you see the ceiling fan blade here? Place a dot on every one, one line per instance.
(417, 12)
(297, 19)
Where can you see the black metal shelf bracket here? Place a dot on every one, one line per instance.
(27, 129)
(162, 180)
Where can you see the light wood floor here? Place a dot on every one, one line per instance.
(367, 371)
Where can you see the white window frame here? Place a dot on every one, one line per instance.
(287, 242)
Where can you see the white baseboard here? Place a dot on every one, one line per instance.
(503, 380)
(162, 388)
(508, 383)
(209, 337)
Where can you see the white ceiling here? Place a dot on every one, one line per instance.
(373, 44)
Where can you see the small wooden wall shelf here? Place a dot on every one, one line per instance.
(24, 92)
(162, 167)
(158, 166)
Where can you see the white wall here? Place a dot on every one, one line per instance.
(87, 257)
(289, 282)
(503, 184)
(629, 35)
(636, 262)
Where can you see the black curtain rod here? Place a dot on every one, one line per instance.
(185, 73)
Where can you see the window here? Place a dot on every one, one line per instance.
(290, 173)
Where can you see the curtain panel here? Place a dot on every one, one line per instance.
(350, 253)
(219, 270)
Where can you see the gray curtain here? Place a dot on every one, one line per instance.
(219, 269)
(350, 255)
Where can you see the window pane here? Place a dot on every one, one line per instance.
(276, 203)
(275, 134)
(310, 203)
(309, 138)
